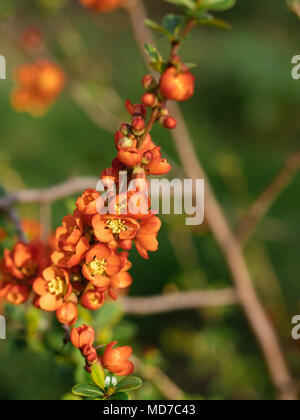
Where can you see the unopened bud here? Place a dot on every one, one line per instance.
(168, 122)
(149, 84)
(138, 126)
(150, 100)
(124, 129)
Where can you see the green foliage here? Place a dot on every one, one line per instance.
(98, 375)
(157, 62)
(106, 386)
(87, 390)
(130, 383)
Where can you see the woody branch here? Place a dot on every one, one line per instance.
(226, 239)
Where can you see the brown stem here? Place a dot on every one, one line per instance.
(261, 206)
(229, 245)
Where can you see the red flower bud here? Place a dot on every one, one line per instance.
(67, 314)
(138, 126)
(150, 100)
(82, 336)
(177, 86)
(168, 122)
(92, 299)
(149, 84)
(90, 354)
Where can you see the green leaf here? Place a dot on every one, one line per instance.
(212, 21)
(155, 26)
(173, 24)
(119, 396)
(218, 5)
(87, 390)
(129, 384)
(153, 53)
(190, 4)
(98, 375)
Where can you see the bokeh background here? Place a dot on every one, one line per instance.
(243, 120)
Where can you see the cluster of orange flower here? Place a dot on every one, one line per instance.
(88, 260)
(38, 85)
(114, 359)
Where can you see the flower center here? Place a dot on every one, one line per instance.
(56, 286)
(29, 269)
(116, 225)
(97, 266)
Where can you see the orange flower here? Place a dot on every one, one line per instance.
(130, 156)
(67, 313)
(93, 299)
(100, 264)
(32, 228)
(115, 359)
(82, 336)
(156, 165)
(25, 261)
(54, 288)
(110, 228)
(89, 203)
(17, 294)
(39, 84)
(102, 6)
(177, 86)
(146, 238)
(72, 246)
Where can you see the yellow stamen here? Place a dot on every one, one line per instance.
(116, 225)
(97, 266)
(56, 286)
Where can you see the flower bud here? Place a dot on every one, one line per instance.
(150, 100)
(138, 126)
(149, 84)
(168, 122)
(125, 129)
(82, 336)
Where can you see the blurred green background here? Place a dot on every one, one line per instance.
(243, 120)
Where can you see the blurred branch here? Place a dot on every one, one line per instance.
(224, 236)
(159, 379)
(65, 189)
(193, 299)
(264, 202)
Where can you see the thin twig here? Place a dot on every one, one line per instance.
(162, 382)
(264, 202)
(228, 243)
(193, 299)
(65, 189)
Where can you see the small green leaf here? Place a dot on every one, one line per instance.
(173, 24)
(186, 3)
(155, 26)
(98, 375)
(212, 21)
(217, 5)
(153, 53)
(129, 384)
(119, 396)
(87, 390)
